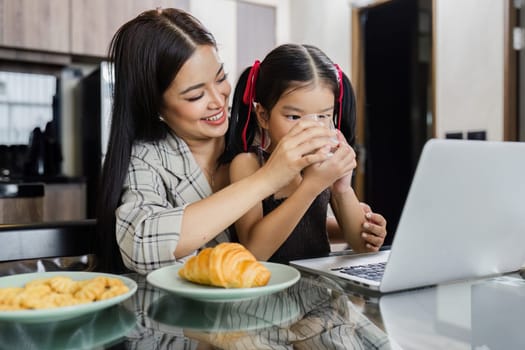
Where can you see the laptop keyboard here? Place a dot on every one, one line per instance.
(372, 272)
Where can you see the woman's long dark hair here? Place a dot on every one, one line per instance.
(147, 53)
(287, 66)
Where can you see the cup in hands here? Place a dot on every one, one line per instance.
(328, 122)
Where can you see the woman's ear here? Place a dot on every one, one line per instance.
(262, 116)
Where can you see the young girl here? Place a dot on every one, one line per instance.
(293, 83)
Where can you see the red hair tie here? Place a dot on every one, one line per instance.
(340, 97)
(248, 98)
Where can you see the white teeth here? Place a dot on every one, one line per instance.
(215, 117)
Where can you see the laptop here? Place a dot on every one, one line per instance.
(464, 217)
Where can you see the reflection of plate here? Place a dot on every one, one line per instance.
(277, 309)
(91, 331)
(60, 313)
(167, 278)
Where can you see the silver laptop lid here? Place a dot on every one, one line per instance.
(464, 215)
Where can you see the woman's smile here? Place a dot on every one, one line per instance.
(216, 119)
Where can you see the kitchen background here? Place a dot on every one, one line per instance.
(421, 69)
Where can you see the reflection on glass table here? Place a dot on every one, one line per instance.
(278, 309)
(314, 313)
(85, 332)
(481, 315)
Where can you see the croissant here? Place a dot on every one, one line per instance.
(227, 265)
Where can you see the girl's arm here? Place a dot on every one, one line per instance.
(373, 229)
(349, 212)
(350, 218)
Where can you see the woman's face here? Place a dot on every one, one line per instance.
(195, 105)
(294, 105)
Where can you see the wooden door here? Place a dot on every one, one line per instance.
(358, 82)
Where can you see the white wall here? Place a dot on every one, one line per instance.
(220, 18)
(469, 67)
(325, 24)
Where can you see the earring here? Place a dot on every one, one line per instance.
(161, 118)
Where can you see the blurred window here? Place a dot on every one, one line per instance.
(26, 102)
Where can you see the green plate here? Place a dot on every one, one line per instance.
(60, 313)
(167, 278)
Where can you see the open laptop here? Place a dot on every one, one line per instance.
(464, 217)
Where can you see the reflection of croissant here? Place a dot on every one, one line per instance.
(228, 265)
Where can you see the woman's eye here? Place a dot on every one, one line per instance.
(323, 116)
(223, 78)
(192, 99)
(293, 117)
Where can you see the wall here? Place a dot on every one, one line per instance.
(219, 18)
(326, 24)
(469, 67)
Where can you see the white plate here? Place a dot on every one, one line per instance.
(167, 278)
(60, 313)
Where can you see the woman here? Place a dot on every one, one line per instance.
(163, 194)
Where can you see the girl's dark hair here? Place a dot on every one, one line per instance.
(287, 66)
(147, 53)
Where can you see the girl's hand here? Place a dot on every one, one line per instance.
(344, 183)
(340, 165)
(374, 229)
(308, 142)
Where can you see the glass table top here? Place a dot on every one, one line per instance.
(316, 312)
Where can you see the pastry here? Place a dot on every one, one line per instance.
(228, 265)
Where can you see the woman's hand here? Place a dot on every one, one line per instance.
(308, 142)
(374, 229)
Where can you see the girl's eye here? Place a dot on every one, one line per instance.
(323, 116)
(293, 117)
(192, 99)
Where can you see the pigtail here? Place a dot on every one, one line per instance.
(348, 111)
(238, 118)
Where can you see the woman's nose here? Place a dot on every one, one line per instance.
(219, 95)
(217, 98)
